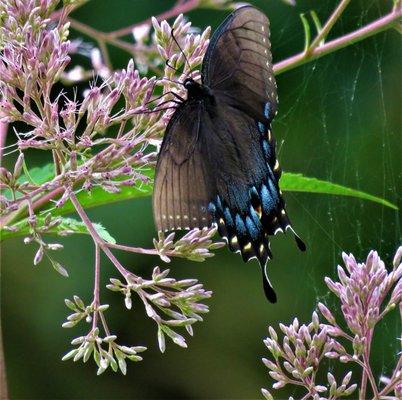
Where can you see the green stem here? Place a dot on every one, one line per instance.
(328, 25)
(3, 378)
(388, 21)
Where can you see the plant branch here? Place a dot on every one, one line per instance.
(379, 25)
(96, 301)
(180, 8)
(320, 38)
(3, 136)
(3, 377)
(100, 36)
(367, 372)
(95, 236)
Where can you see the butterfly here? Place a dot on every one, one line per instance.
(217, 162)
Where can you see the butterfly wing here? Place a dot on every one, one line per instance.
(248, 206)
(238, 68)
(183, 186)
(238, 64)
(217, 161)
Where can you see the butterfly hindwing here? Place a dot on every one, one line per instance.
(248, 206)
(182, 182)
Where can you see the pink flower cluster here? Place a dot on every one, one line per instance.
(367, 292)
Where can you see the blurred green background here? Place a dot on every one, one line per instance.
(339, 120)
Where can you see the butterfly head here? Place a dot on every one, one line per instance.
(189, 83)
(195, 90)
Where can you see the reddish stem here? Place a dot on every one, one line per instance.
(96, 301)
(3, 136)
(95, 236)
(180, 8)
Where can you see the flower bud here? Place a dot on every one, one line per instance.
(38, 256)
(18, 166)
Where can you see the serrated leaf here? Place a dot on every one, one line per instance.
(98, 197)
(290, 181)
(36, 175)
(293, 182)
(67, 224)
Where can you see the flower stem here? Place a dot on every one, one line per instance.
(3, 136)
(130, 249)
(179, 8)
(3, 377)
(95, 236)
(100, 36)
(96, 301)
(393, 380)
(367, 372)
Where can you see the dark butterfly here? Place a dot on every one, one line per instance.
(217, 162)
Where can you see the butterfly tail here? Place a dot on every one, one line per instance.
(247, 231)
(268, 289)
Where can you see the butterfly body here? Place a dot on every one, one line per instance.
(217, 162)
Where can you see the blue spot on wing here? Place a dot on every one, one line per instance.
(254, 193)
(255, 217)
(240, 227)
(267, 201)
(267, 149)
(218, 203)
(261, 127)
(212, 208)
(273, 190)
(228, 217)
(254, 232)
(267, 109)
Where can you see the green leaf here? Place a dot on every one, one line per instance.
(75, 226)
(70, 225)
(37, 176)
(298, 183)
(289, 182)
(98, 197)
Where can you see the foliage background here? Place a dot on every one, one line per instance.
(339, 120)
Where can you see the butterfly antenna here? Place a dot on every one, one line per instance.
(171, 66)
(182, 52)
(169, 80)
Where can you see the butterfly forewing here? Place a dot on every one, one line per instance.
(238, 64)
